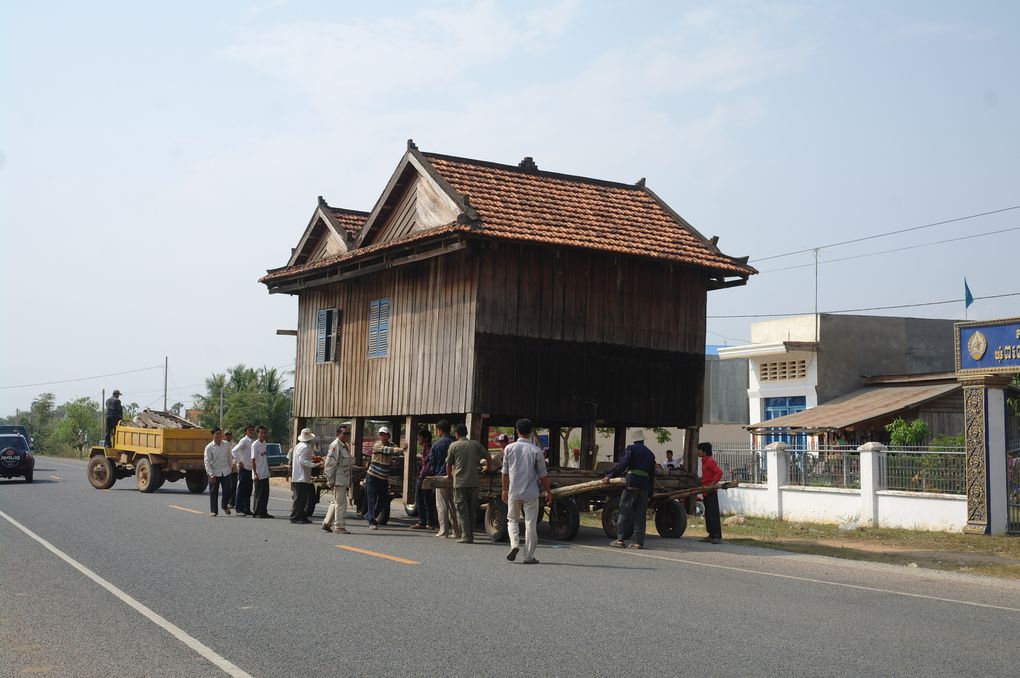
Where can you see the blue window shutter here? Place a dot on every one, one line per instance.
(338, 324)
(373, 328)
(384, 327)
(321, 325)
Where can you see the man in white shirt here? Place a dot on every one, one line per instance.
(217, 467)
(260, 474)
(242, 457)
(301, 477)
(523, 470)
(338, 478)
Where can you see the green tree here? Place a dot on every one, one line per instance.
(249, 396)
(79, 426)
(906, 434)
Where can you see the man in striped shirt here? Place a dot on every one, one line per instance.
(377, 479)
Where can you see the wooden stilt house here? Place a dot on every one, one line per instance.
(485, 292)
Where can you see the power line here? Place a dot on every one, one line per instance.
(857, 310)
(98, 376)
(888, 233)
(895, 249)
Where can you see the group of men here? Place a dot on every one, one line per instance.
(238, 469)
(449, 509)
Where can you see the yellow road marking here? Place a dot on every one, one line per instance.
(395, 559)
(181, 508)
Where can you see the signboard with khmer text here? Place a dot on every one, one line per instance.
(988, 347)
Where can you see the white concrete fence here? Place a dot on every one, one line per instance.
(872, 505)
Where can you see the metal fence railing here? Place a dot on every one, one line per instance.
(925, 469)
(745, 465)
(824, 467)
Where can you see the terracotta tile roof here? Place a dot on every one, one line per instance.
(350, 220)
(545, 207)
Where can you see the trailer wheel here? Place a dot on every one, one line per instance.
(101, 472)
(197, 481)
(564, 519)
(611, 519)
(148, 475)
(671, 519)
(411, 510)
(495, 520)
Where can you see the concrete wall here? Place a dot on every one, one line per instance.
(922, 510)
(726, 384)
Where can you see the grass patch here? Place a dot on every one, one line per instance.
(66, 452)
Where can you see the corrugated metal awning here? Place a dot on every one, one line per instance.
(853, 408)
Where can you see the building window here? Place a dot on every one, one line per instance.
(379, 312)
(328, 322)
(782, 370)
(780, 407)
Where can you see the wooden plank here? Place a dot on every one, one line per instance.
(410, 459)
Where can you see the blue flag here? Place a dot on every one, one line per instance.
(968, 298)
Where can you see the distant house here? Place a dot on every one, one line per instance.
(486, 292)
(194, 416)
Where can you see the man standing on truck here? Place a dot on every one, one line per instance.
(260, 474)
(462, 468)
(217, 467)
(242, 457)
(523, 469)
(338, 478)
(114, 413)
(301, 477)
(639, 464)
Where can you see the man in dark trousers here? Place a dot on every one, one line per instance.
(710, 475)
(114, 413)
(260, 474)
(639, 464)
(462, 462)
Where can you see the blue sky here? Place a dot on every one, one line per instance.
(156, 160)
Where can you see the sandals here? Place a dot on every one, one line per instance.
(635, 546)
(618, 544)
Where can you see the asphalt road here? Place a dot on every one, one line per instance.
(150, 585)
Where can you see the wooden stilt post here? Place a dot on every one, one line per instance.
(475, 423)
(588, 445)
(619, 442)
(297, 423)
(554, 446)
(410, 458)
(358, 439)
(691, 461)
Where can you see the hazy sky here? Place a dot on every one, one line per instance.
(156, 159)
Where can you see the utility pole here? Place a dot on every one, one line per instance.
(102, 418)
(816, 295)
(166, 370)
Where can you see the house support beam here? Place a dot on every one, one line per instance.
(358, 439)
(554, 446)
(410, 458)
(588, 444)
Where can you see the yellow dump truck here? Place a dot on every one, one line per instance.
(154, 448)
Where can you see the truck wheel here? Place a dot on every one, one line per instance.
(611, 519)
(564, 519)
(197, 481)
(495, 520)
(411, 510)
(671, 520)
(148, 475)
(101, 472)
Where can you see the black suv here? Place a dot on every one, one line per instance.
(15, 457)
(18, 430)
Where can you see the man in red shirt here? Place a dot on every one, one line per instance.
(710, 475)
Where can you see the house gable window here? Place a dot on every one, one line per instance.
(379, 312)
(328, 322)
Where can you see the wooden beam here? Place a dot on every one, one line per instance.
(297, 423)
(358, 439)
(619, 442)
(411, 424)
(475, 423)
(691, 436)
(286, 333)
(588, 445)
(554, 446)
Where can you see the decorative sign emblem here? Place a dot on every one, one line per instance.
(977, 345)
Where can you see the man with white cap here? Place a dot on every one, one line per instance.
(639, 464)
(301, 476)
(377, 478)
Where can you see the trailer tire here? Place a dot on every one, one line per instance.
(411, 510)
(197, 481)
(671, 519)
(148, 475)
(101, 472)
(611, 519)
(564, 519)
(495, 520)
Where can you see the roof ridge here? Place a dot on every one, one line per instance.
(531, 172)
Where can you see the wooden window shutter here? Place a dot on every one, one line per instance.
(384, 328)
(338, 325)
(373, 329)
(321, 329)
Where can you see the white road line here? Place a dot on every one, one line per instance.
(778, 575)
(180, 634)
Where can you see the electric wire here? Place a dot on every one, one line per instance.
(98, 376)
(858, 310)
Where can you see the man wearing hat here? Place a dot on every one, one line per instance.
(302, 463)
(639, 464)
(114, 413)
(377, 478)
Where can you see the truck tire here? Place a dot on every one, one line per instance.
(495, 520)
(148, 475)
(671, 519)
(611, 519)
(101, 472)
(411, 510)
(197, 481)
(564, 519)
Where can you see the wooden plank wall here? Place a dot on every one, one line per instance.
(429, 367)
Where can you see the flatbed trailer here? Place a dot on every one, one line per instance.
(570, 500)
(153, 456)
